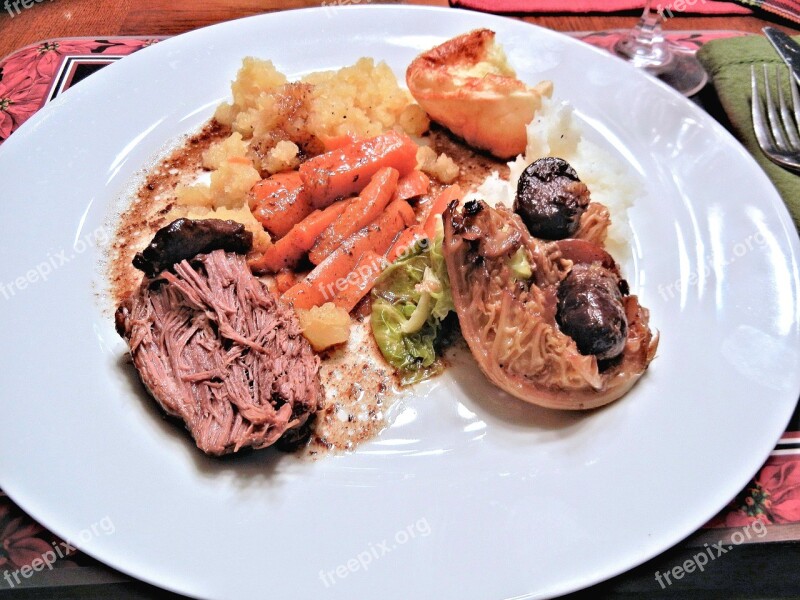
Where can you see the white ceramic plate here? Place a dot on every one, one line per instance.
(469, 494)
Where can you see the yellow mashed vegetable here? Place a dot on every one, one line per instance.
(363, 99)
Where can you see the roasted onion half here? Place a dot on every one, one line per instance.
(509, 313)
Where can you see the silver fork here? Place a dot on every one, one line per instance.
(777, 131)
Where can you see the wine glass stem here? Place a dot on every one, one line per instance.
(645, 45)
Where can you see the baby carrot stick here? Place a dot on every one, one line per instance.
(347, 170)
(331, 275)
(290, 249)
(280, 202)
(445, 197)
(360, 211)
(366, 273)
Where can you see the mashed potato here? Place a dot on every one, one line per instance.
(363, 99)
(555, 131)
(232, 147)
(228, 188)
(441, 166)
(253, 91)
(283, 157)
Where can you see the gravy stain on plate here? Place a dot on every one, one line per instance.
(360, 389)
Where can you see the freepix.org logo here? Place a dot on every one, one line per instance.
(13, 6)
(104, 526)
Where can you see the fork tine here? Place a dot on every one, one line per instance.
(789, 125)
(772, 114)
(795, 98)
(762, 123)
(759, 120)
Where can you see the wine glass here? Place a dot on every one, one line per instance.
(645, 47)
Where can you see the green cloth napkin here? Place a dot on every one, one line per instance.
(728, 63)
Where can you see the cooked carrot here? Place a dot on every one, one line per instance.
(290, 249)
(360, 211)
(240, 160)
(370, 266)
(404, 242)
(330, 277)
(284, 280)
(445, 197)
(338, 141)
(280, 202)
(366, 272)
(346, 171)
(407, 213)
(310, 230)
(414, 183)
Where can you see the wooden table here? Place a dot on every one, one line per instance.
(766, 570)
(63, 18)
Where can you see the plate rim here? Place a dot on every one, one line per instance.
(775, 203)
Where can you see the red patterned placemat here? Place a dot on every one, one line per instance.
(36, 74)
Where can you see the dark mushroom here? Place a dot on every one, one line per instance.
(185, 238)
(591, 311)
(551, 199)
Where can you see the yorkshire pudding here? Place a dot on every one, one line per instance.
(467, 85)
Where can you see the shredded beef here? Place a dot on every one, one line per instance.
(217, 350)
